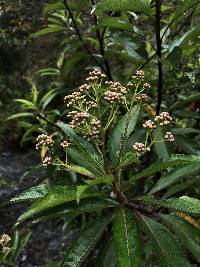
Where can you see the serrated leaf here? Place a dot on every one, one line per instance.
(124, 5)
(33, 193)
(121, 132)
(166, 248)
(85, 149)
(107, 179)
(175, 160)
(187, 233)
(56, 195)
(78, 169)
(85, 242)
(74, 209)
(183, 204)
(127, 240)
(174, 176)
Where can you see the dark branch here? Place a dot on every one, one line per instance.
(101, 44)
(159, 55)
(80, 36)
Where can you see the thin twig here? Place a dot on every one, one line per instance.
(80, 36)
(101, 44)
(159, 54)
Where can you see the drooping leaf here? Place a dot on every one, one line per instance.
(166, 248)
(182, 103)
(183, 204)
(48, 30)
(33, 193)
(121, 132)
(174, 176)
(85, 242)
(186, 232)
(175, 160)
(20, 115)
(56, 195)
(74, 209)
(126, 236)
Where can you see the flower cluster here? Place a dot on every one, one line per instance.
(95, 128)
(65, 144)
(44, 140)
(112, 96)
(164, 118)
(149, 125)
(77, 118)
(139, 75)
(95, 75)
(140, 148)
(169, 137)
(84, 87)
(75, 97)
(146, 86)
(46, 161)
(3, 243)
(142, 97)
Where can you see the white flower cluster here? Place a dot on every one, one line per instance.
(73, 98)
(46, 161)
(95, 75)
(77, 118)
(149, 125)
(65, 144)
(140, 148)
(44, 140)
(164, 118)
(169, 137)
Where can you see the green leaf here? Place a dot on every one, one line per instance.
(121, 132)
(166, 248)
(25, 102)
(185, 185)
(85, 150)
(33, 193)
(107, 179)
(78, 169)
(115, 23)
(160, 148)
(127, 240)
(107, 255)
(48, 30)
(54, 7)
(175, 176)
(186, 232)
(175, 160)
(124, 5)
(183, 204)
(20, 115)
(74, 209)
(85, 242)
(56, 195)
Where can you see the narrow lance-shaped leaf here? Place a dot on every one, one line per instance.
(175, 160)
(85, 242)
(56, 195)
(166, 248)
(127, 240)
(184, 203)
(174, 176)
(121, 132)
(186, 232)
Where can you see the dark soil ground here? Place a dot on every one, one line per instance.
(47, 238)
